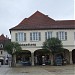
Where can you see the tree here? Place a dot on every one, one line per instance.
(54, 45)
(12, 48)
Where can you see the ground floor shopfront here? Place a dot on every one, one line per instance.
(44, 57)
(3, 60)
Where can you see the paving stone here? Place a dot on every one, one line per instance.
(38, 70)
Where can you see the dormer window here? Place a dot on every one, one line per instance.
(1, 45)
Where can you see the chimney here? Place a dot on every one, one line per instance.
(47, 15)
(6, 36)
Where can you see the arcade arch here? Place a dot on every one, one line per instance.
(23, 56)
(73, 56)
(42, 57)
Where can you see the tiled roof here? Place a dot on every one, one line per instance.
(2, 38)
(68, 24)
(39, 21)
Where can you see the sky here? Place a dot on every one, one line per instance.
(12, 12)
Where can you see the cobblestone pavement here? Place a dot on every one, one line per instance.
(38, 70)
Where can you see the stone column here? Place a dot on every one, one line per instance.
(36, 61)
(71, 62)
(43, 60)
(32, 58)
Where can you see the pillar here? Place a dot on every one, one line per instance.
(43, 60)
(32, 58)
(71, 62)
(36, 61)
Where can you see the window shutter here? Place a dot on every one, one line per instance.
(16, 36)
(30, 36)
(24, 36)
(65, 35)
(57, 35)
(45, 35)
(39, 36)
(74, 35)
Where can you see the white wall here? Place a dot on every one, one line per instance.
(69, 41)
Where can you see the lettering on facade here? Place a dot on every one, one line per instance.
(28, 44)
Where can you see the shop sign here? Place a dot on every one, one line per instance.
(28, 44)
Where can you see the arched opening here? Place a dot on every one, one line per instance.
(24, 57)
(2, 60)
(42, 57)
(62, 57)
(73, 56)
(67, 56)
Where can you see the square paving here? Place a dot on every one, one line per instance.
(38, 70)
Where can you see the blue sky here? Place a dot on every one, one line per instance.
(13, 12)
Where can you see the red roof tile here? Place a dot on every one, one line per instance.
(40, 21)
(2, 38)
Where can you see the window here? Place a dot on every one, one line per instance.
(48, 35)
(74, 35)
(1, 52)
(62, 35)
(35, 36)
(1, 45)
(20, 36)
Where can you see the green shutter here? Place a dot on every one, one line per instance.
(57, 35)
(45, 35)
(65, 35)
(24, 36)
(16, 36)
(30, 36)
(39, 36)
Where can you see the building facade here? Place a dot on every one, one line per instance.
(33, 31)
(3, 54)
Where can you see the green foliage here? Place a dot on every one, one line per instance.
(53, 44)
(12, 47)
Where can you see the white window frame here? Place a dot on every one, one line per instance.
(61, 35)
(35, 36)
(48, 35)
(20, 36)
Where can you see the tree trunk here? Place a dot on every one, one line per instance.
(52, 59)
(13, 63)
